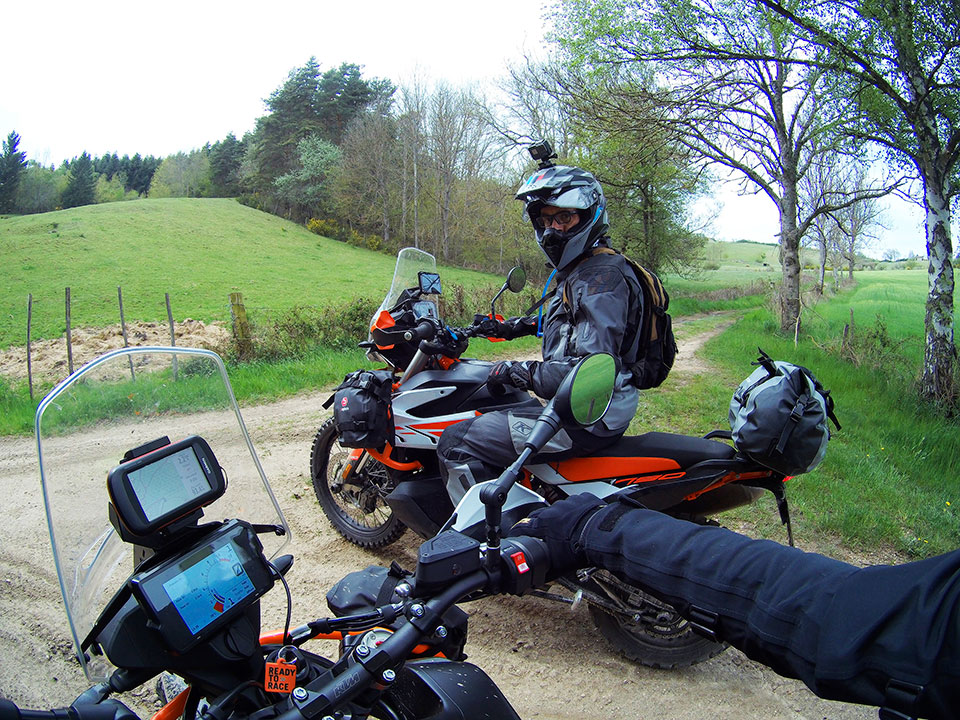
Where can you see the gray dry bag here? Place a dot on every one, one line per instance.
(778, 417)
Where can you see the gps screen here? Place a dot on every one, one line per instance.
(169, 483)
(207, 586)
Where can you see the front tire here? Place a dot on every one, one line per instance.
(647, 630)
(357, 511)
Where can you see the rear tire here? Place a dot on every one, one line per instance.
(361, 515)
(656, 635)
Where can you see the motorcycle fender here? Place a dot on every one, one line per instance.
(446, 690)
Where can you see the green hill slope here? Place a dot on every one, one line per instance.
(198, 250)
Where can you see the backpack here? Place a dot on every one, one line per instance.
(657, 347)
(362, 410)
(778, 417)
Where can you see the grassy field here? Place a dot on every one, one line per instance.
(892, 475)
(199, 251)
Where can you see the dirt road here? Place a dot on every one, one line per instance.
(549, 662)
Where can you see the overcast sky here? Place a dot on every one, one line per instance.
(158, 78)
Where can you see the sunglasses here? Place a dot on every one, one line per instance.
(561, 218)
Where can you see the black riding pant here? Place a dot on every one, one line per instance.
(478, 449)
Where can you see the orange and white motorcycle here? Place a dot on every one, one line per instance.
(372, 494)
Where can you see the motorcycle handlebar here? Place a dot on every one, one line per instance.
(357, 677)
(425, 330)
(107, 710)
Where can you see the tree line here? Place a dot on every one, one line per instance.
(27, 186)
(795, 101)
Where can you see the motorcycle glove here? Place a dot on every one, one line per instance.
(508, 329)
(560, 526)
(446, 343)
(507, 372)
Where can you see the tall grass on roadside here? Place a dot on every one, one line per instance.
(16, 408)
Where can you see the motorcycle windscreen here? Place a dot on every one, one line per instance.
(86, 425)
(406, 274)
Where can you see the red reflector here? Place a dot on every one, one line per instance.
(788, 477)
(520, 561)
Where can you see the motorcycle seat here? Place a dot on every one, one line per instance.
(683, 449)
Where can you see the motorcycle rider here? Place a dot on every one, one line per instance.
(886, 635)
(593, 309)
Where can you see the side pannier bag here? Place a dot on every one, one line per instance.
(361, 409)
(778, 417)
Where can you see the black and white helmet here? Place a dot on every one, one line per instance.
(565, 187)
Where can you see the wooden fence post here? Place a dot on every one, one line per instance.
(69, 341)
(173, 337)
(241, 328)
(123, 331)
(29, 366)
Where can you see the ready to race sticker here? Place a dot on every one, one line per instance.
(280, 677)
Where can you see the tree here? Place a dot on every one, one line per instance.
(459, 147)
(226, 159)
(311, 103)
(40, 189)
(12, 164)
(81, 184)
(182, 175)
(725, 77)
(902, 61)
(307, 190)
(411, 120)
(367, 181)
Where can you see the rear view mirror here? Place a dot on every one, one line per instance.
(586, 392)
(516, 279)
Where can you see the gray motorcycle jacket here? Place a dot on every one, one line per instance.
(591, 311)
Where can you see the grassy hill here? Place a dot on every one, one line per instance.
(198, 250)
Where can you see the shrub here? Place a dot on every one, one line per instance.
(297, 332)
(323, 226)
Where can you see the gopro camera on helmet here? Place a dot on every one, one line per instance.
(542, 152)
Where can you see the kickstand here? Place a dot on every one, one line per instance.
(781, 495)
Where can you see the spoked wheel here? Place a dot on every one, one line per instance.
(647, 630)
(357, 507)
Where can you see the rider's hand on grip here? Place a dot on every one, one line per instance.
(486, 326)
(515, 327)
(447, 342)
(560, 525)
(524, 564)
(507, 372)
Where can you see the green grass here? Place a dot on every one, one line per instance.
(198, 250)
(896, 297)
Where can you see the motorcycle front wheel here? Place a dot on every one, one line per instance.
(357, 510)
(647, 630)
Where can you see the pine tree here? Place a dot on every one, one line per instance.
(81, 185)
(12, 165)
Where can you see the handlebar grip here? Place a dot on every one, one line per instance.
(425, 330)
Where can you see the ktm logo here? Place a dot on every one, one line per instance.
(636, 480)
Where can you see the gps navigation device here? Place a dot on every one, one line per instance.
(155, 490)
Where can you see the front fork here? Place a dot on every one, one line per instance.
(355, 461)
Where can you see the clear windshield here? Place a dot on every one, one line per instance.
(410, 262)
(84, 427)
